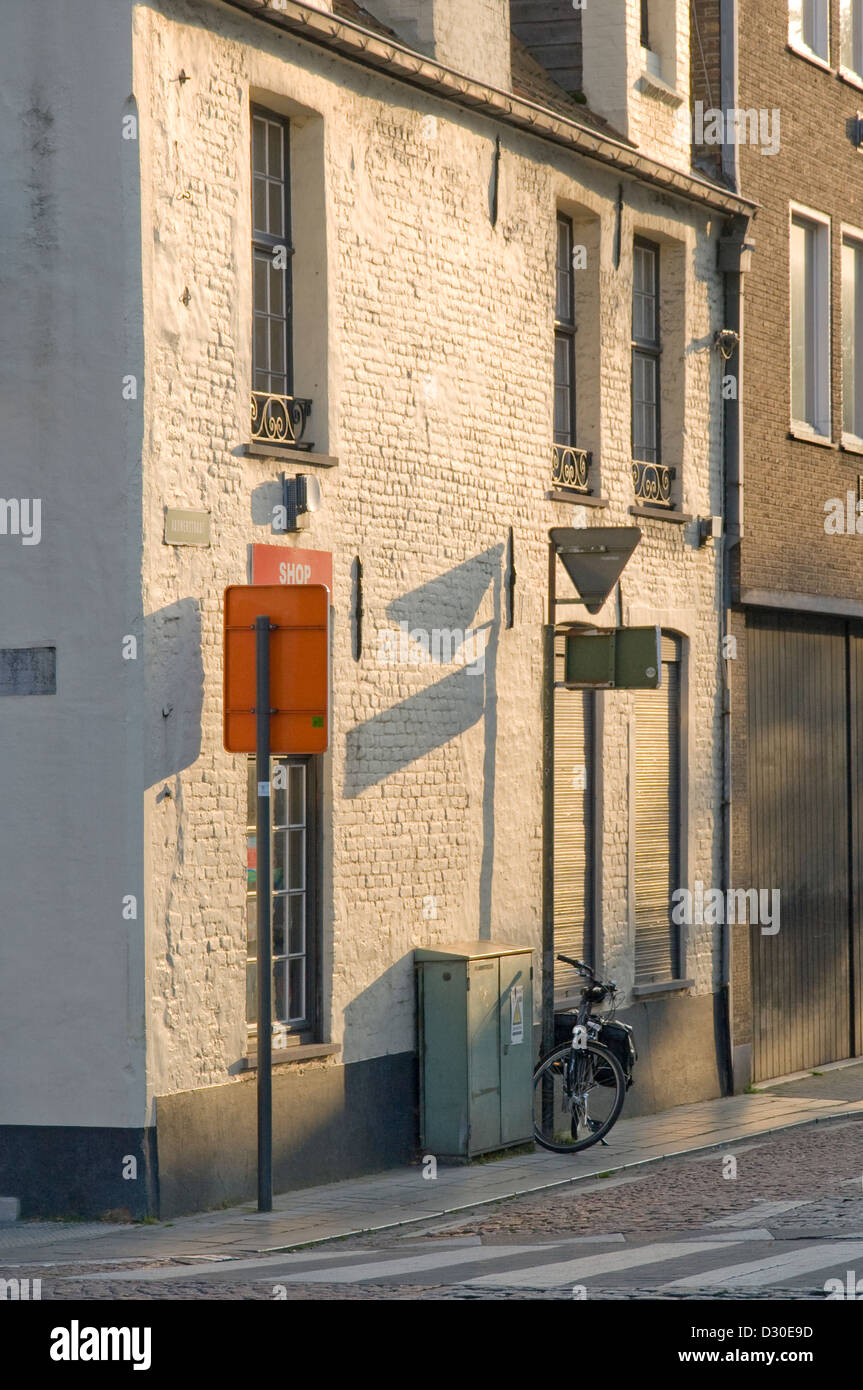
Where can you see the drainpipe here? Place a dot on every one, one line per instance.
(735, 252)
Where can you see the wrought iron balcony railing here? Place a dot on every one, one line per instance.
(570, 468)
(280, 419)
(652, 483)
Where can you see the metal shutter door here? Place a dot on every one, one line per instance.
(657, 821)
(573, 799)
(798, 818)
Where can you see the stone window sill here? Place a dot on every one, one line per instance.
(808, 436)
(576, 499)
(848, 75)
(662, 514)
(660, 91)
(800, 51)
(285, 451)
(662, 987)
(304, 1053)
(851, 444)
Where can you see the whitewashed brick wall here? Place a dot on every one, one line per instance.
(436, 337)
(653, 114)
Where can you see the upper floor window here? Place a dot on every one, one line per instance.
(852, 337)
(851, 35)
(564, 336)
(810, 323)
(652, 60)
(646, 348)
(278, 417)
(808, 26)
(272, 347)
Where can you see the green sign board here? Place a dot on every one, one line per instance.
(617, 658)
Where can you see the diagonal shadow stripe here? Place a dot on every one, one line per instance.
(409, 730)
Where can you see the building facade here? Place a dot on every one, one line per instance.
(795, 74)
(476, 298)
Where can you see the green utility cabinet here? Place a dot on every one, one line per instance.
(475, 1047)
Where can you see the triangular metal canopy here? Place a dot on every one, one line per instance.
(594, 558)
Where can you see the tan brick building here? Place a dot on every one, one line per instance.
(797, 574)
(478, 303)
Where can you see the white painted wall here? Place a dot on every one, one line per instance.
(469, 36)
(651, 109)
(438, 363)
(71, 969)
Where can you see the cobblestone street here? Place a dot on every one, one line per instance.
(769, 1219)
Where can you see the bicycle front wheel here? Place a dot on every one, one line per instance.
(577, 1096)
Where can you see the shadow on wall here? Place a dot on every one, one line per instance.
(431, 616)
(434, 624)
(174, 690)
(451, 600)
(377, 1012)
(405, 732)
(329, 1123)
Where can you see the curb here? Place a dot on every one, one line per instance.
(558, 1182)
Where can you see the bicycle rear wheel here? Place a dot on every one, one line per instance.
(577, 1096)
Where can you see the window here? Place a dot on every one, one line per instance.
(851, 35)
(294, 920)
(649, 55)
(657, 821)
(564, 337)
(810, 324)
(852, 337)
(808, 26)
(645, 352)
(272, 345)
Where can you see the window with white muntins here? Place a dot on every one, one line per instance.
(851, 36)
(809, 27)
(852, 337)
(810, 323)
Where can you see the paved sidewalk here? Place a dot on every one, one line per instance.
(403, 1196)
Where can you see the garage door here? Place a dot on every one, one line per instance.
(805, 679)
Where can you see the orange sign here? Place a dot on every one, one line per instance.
(282, 564)
(299, 666)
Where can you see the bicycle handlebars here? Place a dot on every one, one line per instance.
(583, 969)
(578, 965)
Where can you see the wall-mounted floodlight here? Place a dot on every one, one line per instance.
(301, 495)
(709, 529)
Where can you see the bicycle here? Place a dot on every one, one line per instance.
(580, 1086)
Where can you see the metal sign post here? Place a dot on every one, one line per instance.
(265, 942)
(276, 698)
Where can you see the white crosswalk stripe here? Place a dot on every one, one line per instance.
(560, 1273)
(755, 1216)
(774, 1271)
(373, 1270)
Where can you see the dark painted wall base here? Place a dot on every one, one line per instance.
(678, 1052)
(78, 1171)
(679, 1044)
(329, 1122)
